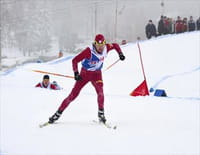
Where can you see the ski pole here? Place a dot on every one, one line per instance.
(112, 65)
(56, 74)
(68, 76)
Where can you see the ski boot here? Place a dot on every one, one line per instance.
(101, 116)
(55, 117)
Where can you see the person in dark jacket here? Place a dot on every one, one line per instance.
(198, 23)
(161, 26)
(150, 29)
(191, 24)
(185, 25)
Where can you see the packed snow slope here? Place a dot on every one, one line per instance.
(145, 125)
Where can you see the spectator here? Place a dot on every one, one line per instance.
(191, 24)
(185, 27)
(46, 84)
(198, 23)
(179, 25)
(171, 25)
(150, 29)
(166, 25)
(161, 26)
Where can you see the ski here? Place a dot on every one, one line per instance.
(44, 124)
(106, 125)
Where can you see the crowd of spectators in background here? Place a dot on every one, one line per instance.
(167, 25)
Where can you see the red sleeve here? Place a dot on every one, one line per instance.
(38, 85)
(85, 54)
(114, 46)
(53, 87)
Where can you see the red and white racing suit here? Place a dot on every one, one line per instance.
(92, 62)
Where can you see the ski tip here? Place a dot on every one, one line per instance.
(43, 125)
(115, 127)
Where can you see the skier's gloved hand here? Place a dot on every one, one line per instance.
(121, 56)
(77, 76)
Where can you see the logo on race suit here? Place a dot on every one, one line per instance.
(95, 62)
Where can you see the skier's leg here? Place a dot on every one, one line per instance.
(74, 93)
(98, 84)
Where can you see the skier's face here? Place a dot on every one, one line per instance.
(45, 82)
(100, 47)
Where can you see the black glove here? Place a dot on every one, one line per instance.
(121, 56)
(77, 76)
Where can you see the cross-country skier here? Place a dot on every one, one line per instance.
(92, 59)
(46, 83)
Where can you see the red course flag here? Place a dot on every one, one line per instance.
(141, 90)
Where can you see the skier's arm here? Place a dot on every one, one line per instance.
(53, 87)
(38, 85)
(117, 48)
(114, 46)
(85, 54)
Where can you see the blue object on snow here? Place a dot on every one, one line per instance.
(160, 92)
(151, 90)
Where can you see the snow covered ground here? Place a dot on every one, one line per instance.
(145, 125)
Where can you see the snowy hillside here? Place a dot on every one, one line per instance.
(145, 125)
